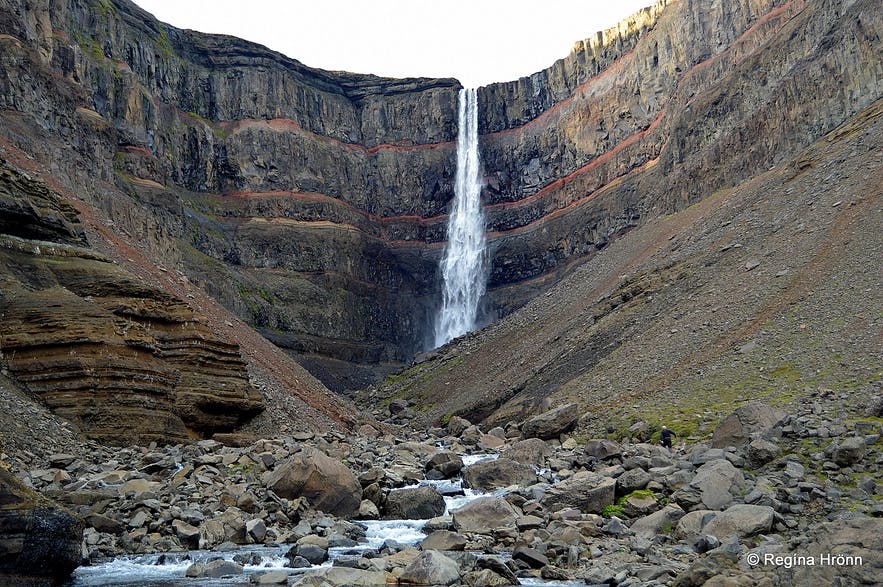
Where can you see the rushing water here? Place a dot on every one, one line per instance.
(463, 266)
(156, 570)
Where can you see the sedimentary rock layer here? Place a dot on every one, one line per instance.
(118, 358)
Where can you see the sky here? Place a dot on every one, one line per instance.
(475, 41)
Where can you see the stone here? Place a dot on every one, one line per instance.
(858, 537)
(368, 511)
(551, 424)
(256, 529)
(345, 577)
(602, 448)
(716, 481)
(187, 534)
(742, 520)
(444, 540)
(586, 491)
(418, 503)
(498, 473)
(760, 452)
(531, 451)
(458, 425)
(632, 480)
(213, 569)
(445, 462)
(431, 568)
(639, 505)
(751, 420)
(327, 483)
(497, 567)
(40, 542)
(534, 558)
(483, 515)
(690, 525)
(850, 451)
(658, 523)
(314, 553)
(271, 578)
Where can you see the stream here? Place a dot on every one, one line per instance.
(168, 569)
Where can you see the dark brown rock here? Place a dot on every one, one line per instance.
(39, 541)
(327, 483)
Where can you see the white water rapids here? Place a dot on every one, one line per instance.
(155, 570)
(464, 267)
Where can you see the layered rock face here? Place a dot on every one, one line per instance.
(118, 358)
(314, 204)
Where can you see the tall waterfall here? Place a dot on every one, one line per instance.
(463, 265)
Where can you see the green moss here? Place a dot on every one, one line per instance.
(105, 8)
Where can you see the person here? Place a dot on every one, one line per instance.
(665, 437)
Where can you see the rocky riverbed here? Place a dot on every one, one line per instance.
(528, 503)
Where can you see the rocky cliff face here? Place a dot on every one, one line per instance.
(314, 204)
(120, 359)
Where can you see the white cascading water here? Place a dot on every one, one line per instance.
(463, 264)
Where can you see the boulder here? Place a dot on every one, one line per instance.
(414, 503)
(753, 420)
(213, 569)
(602, 448)
(530, 451)
(715, 482)
(187, 534)
(444, 540)
(458, 425)
(850, 451)
(585, 491)
(531, 556)
(760, 452)
(498, 473)
(327, 483)
(691, 524)
(741, 520)
(632, 480)
(658, 523)
(860, 538)
(39, 540)
(446, 463)
(431, 568)
(484, 515)
(551, 424)
(345, 576)
(271, 578)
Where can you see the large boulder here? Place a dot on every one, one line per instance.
(715, 484)
(849, 451)
(585, 491)
(327, 483)
(658, 523)
(602, 448)
(530, 451)
(431, 568)
(742, 520)
(551, 424)
(345, 576)
(854, 548)
(484, 515)
(39, 541)
(447, 463)
(753, 420)
(498, 473)
(414, 503)
(444, 540)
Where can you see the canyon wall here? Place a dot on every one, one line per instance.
(314, 203)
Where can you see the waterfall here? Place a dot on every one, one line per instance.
(463, 264)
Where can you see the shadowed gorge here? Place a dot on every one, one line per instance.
(221, 272)
(319, 200)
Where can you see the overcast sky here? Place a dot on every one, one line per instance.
(475, 41)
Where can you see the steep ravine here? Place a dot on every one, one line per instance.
(313, 204)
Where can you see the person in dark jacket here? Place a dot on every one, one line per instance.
(665, 437)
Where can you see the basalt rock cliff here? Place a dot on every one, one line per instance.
(313, 204)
